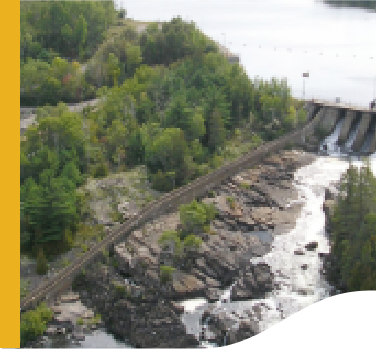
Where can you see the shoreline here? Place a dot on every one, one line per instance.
(228, 227)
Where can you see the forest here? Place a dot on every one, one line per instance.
(352, 231)
(168, 100)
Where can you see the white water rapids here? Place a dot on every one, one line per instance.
(296, 287)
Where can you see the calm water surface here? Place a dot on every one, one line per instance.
(284, 38)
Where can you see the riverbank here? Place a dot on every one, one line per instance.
(330, 267)
(127, 291)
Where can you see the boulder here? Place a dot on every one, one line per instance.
(311, 246)
(329, 195)
(254, 283)
(212, 294)
(228, 328)
(187, 285)
(246, 329)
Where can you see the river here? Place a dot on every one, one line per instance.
(283, 39)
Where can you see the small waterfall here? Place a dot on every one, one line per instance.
(225, 339)
(226, 296)
(369, 136)
(331, 142)
(352, 136)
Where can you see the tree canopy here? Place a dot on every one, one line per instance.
(353, 229)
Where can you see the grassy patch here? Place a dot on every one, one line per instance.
(24, 285)
(65, 262)
(244, 186)
(211, 194)
(231, 202)
(95, 320)
(166, 273)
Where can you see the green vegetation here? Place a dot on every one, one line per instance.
(42, 263)
(195, 216)
(170, 239)
(211, 194)
(183, 244)
(65, 28)
(24, 285)
(244, 186)
(353, 230)
(170, 102)
(120, 290)
(96, 319)
(166, 274)
(34, 323)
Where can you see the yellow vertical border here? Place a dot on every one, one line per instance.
(10, 175)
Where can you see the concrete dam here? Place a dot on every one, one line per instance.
(357, 132)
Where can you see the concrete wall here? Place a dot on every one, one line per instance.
(372, 146)
(346, 126)
(362, 130)
(330, 119)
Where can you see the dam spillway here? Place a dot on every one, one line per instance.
(357, 131)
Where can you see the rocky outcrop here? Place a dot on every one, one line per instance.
(228, 328)
(254, 283)
(144, 318)
(311, 246)
(135, 304)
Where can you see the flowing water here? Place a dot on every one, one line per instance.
(284, 38)
(298, 280)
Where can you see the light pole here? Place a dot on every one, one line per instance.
(305, 75)
(224, 48)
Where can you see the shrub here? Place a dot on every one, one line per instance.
(195, 216)
(244, 186)
(68, 238)
(101, 170)
(115, 263)
(65, 262)
(120, 290)
(96, 319)
(163, 181)
(171, 237)
(42, 264)
(211, 194)
(192, 243)
(24, 288)
(166, 273)
(231, 202)
(34, 323)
